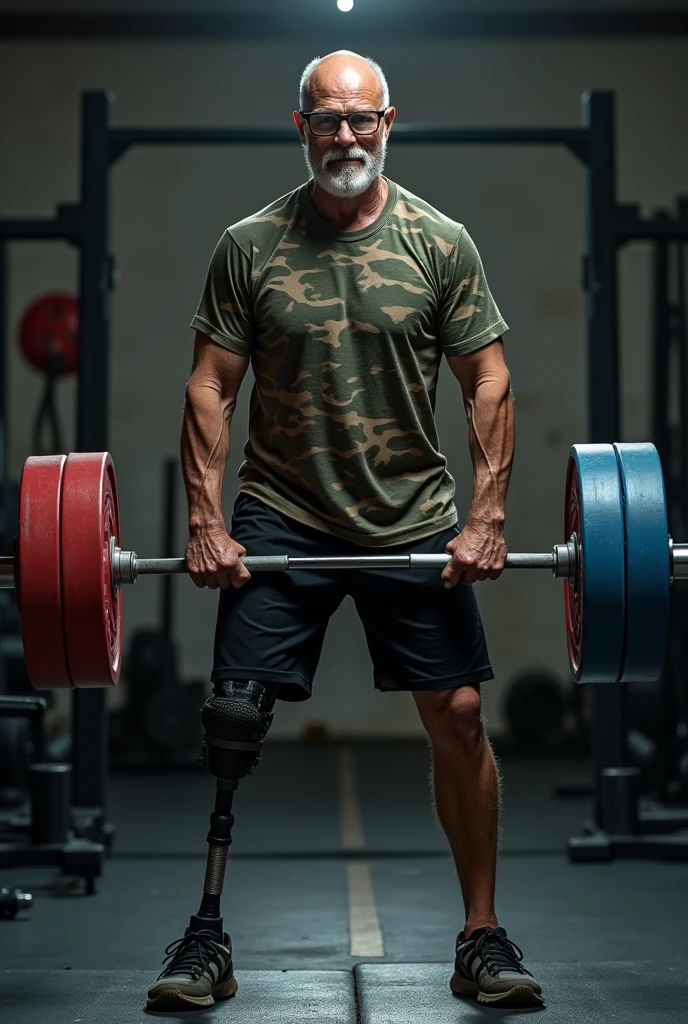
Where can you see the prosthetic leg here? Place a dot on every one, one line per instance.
(235, 720)
(199, 965)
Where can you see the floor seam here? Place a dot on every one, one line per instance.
(357, 1003)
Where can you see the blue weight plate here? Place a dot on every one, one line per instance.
(647, 562)
(595, 600)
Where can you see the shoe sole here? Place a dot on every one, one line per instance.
(519, 995)
(174, 999)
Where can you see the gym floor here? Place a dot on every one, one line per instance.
(342, 901)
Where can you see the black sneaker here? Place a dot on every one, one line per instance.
(488, 965)
(199, 972)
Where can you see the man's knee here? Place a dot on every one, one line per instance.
(235, 721)
(452, 718)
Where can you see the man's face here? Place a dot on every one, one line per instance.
(345, 164)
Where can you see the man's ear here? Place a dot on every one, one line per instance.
(301, 125)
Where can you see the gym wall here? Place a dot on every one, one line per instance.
(524, 207)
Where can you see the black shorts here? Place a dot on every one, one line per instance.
(421, 635)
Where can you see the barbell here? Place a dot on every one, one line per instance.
(617, 565)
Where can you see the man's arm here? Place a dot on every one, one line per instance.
(479, 551)
(211, 396)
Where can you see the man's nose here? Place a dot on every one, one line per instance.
(345, 137)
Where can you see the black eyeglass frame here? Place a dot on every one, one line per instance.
(342, 117)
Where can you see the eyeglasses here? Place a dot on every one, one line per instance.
(361, 122)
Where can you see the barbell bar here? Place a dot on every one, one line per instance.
(127, 566)
(617, 564)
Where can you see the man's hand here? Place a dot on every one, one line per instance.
(212, 558)
(478, 553)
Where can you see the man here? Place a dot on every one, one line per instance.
(343, 295)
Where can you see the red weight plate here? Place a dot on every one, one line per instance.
(573, 592)
(92, 607)
(39, 586)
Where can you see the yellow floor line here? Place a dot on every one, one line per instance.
(365, 935)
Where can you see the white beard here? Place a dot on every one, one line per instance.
(346, 182)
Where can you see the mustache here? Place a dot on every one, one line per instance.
(351, 153)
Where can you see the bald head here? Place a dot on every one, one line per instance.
(343, 75)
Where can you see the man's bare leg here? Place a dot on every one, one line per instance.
(466, 789)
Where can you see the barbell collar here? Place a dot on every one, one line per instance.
(565, 558)
(123, 567)
(678, 560)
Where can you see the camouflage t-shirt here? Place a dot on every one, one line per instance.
(345, 330)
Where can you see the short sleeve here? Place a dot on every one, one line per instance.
(224, 312)
(468, 315)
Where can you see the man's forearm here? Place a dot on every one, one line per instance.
(204, 451)
(490, 415)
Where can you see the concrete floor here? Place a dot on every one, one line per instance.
(606, 938)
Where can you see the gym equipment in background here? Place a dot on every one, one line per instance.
(12, 901)
(48, 338)
(42, 831)
(160, 721)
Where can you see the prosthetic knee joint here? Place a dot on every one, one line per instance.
(235, 721)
